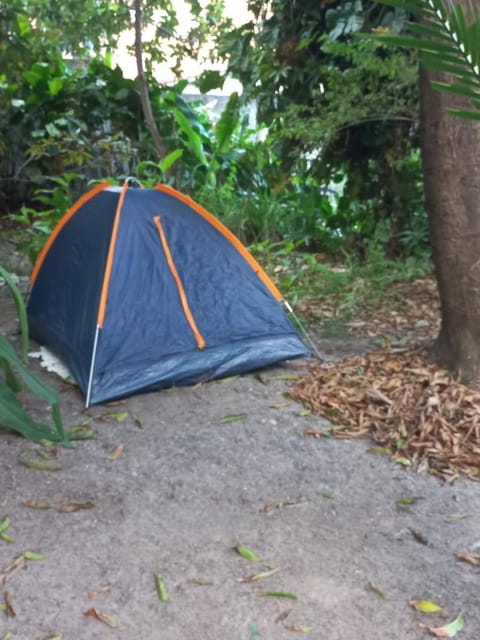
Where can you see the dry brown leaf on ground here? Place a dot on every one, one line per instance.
(282, 504)
(470, 558)
(103, 617)
(10, 569)
(116, 453)
(409, 310)
(71, 507)
(10, 611)
(405, 403)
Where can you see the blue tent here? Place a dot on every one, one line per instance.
(138, 289)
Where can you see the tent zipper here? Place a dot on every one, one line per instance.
(181, 291)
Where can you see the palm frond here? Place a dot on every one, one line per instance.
(427, 31)
(448, 40)
(470, 115)
(458, 90)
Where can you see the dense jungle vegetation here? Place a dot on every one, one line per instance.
(332, 164)
(330, 169)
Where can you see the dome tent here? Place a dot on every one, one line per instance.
(139, 289)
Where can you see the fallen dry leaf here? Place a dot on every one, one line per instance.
(299, 628)
(13, 567)
(93, 594)
(7, 538)
(279, 594)
(36, 505)
(71, 507)
(449, 630)
(377, 591)
(418, 536)
(116, 453)
(283, 616)
(49, 465)
(471, 558)
(103, 617)
(399, 398)
(233, 417)
(137, 421)
(425, 606)
(9, 610)
(408, 310)
(313, 433)
(404, 502)
(281, 504)
(259, 576)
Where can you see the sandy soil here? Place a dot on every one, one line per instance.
(188, 488)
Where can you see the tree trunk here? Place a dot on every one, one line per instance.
(143, 85)
(451, 165)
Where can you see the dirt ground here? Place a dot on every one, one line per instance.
(188, 487)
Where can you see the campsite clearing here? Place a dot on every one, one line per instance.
(354, 537)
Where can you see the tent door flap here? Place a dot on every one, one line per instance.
(180, 288)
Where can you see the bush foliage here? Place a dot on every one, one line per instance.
(334, 155)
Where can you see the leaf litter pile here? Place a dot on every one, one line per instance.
(413, 409)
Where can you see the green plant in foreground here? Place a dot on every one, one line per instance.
(17, 377)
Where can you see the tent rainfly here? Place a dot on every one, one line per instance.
(139, 289)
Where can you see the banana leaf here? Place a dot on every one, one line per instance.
(11, 415)
(21, 310)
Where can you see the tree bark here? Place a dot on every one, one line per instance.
(143, 85)
(451, 165)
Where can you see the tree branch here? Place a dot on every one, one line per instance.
(143, 86)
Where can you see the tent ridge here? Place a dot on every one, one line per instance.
(61, 223)
(111, 253)
(256, 268)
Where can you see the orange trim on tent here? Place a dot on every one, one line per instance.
(111, 252)
(62, 222)
(181, 291)
(228, 234)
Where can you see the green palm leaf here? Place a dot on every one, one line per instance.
(470, 115)
(428, 31)
(448, 41)
(421, 44)
(458, 90)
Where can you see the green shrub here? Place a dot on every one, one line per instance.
(16, 377)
